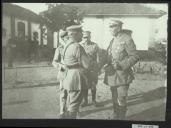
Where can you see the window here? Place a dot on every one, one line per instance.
(21, 29)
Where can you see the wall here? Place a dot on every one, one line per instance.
(100, 30)
(6, 24)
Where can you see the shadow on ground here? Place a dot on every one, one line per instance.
(19, 85)
(152, 114)
(156, 94)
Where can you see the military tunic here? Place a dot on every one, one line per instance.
(92, 50)
(75, 82)
(63, 93)
(123, 51)
(76, 58)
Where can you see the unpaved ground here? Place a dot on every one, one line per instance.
(35, 94)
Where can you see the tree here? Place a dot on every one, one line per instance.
(58, 16)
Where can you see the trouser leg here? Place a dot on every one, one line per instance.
(93, 91)
(122, 108)
(85, 98)
(115, 102)
(63, 100)
(122, 101)
(74, 101)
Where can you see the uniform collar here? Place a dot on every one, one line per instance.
(87, 43)
(117, 35)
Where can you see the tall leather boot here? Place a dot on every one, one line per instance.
(115, 111)
(93, 91)
(85, 99)
(122, 112)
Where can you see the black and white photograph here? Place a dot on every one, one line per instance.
(95, 61)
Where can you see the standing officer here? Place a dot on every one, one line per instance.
(92, 50)
(57, 60)
(122, 56)
(75, 61)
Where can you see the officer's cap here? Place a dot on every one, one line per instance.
(74, 28)
(86, 33)
(62, 34)
(115, 22)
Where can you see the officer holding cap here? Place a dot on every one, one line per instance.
(121, 57)
(57, 61)
(92, 51)
(76, 61)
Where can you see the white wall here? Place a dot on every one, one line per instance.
(35, 27)
(95, 25)
(100, 30)
(6, 24)
(16, 27)
(161, 25)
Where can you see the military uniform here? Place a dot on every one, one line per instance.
(121, 51)
(76, 62)
(58, 58)
(92, 50)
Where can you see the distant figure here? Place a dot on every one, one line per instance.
(11, 51)
(34, 49)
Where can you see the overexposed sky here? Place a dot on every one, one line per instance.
(39, 7)
(35, 7)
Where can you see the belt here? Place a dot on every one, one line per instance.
(74, 66)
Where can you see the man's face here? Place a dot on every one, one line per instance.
(65, 38)
(79, 35)
(114, 29)
(76, 35)
(86, 38)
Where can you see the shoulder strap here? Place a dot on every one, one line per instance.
(111, 42)
(65, 50)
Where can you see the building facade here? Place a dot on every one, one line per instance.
(136, 17)
(21, 23)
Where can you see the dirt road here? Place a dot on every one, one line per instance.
(40, 99)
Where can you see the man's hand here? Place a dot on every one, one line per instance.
(104, 68)
(116, 66)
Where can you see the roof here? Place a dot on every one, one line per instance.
(118, 9)
(17, 11)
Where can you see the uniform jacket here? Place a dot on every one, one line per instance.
(75, 55)
(122, 50)
(58, 55)
(92, 50)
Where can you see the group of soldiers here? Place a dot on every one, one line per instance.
(22, 47)
(78, 63)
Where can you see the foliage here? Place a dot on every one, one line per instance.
(56, 16)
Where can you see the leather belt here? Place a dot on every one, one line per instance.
(74, 66)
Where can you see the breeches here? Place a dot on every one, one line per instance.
(63, 100)
(119, 94)
(74, 100)
(92, 79)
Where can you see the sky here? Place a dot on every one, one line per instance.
(39, 7)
